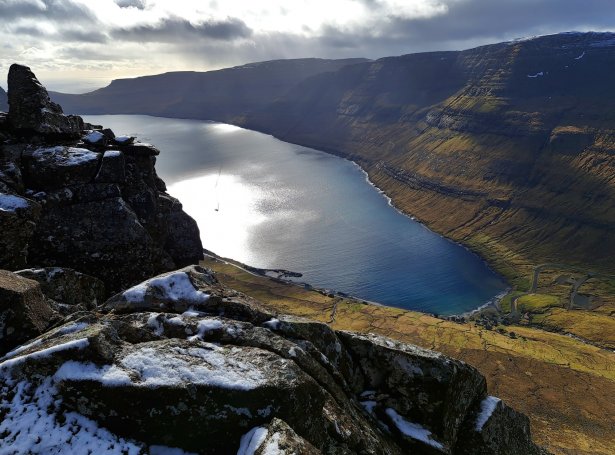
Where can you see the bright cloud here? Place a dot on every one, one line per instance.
(75, 45)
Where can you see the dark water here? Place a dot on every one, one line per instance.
(271, 204)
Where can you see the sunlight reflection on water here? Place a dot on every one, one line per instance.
(225, 207)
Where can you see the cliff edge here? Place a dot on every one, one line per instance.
(75, 195)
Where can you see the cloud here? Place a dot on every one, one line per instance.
(146, 36)
(181, 30)
(139, 4)
(51, 10)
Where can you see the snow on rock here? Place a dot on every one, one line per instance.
(487, 406)
(73, 344)
(206, 326)
(64, 156)
(10, 203)
(124, 139)
(93, 137)
(369, 406)
(273, 324)
(173, 287)
(71, 328)
(30, 425)
(151, 367)
(273, 446)
(413, 430)
(252, 440)
(112, 154)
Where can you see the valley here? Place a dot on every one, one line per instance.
(520, 169)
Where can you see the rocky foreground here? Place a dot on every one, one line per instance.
(179, 363)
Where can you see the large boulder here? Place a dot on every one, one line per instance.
(24, 312)
(48, 168)
(31, 109)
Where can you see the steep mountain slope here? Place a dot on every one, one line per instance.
(4, 105)
(508, 148)
(222, 94)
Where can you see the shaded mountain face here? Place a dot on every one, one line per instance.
(4, 104)
(508, 148)
(226, 93)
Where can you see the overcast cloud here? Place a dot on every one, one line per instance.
(75, 45)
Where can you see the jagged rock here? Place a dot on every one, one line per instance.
(47, 168)
(18, 218)
(24, 312)
(4, 102)
(138, 148)
(68, 286)
(183, 239)
(425, 387)
(31, 109)
(101, 238)
(91, 207)
(495, 429)
(112, 168)
(278, 438)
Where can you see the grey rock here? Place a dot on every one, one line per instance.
(24, 312)
(18, 218)
(183, 236)
(68, 286)
(4, 102)
(31, 109)
(47, 168)
(101, 238)
(499, 430)
(112, 168)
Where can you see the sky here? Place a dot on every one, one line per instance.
(79, 45)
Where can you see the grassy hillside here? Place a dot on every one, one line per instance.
(559, 382)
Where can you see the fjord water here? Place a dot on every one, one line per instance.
(271, 204)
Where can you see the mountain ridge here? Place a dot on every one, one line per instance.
(392, 115)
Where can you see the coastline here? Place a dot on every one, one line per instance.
(284, 274)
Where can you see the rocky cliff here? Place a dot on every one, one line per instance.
(4, 104)
(180, 363)
(75, 195)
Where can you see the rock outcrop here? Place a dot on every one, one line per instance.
(4, 101)
(74, 195)
(182, 362)
(31, 109)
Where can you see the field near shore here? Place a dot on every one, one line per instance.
(564, 385)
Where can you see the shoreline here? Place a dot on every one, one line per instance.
(284, 274)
